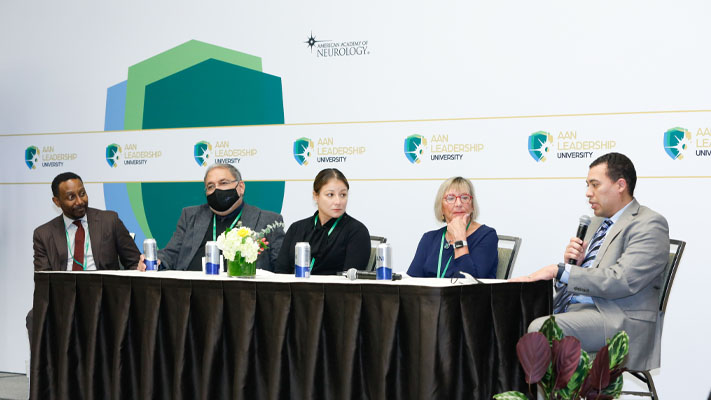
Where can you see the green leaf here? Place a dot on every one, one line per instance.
(548, 381)
(551, 330)
(614, 389)
(510, 396)
(619, 346)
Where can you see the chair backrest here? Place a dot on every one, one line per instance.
(374, 242)
(508, 250)
(676, 249)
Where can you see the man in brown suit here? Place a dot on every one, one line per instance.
(108, 240)
(62, 244)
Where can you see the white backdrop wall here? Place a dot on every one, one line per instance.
(424, 60)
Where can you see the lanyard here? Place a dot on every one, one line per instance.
(214, 224)
(441, 247)
(313, 259)
(71, 251)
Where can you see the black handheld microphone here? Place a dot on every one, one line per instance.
(582, 230)
(353, 274)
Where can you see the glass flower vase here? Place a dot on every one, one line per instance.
(240, 268)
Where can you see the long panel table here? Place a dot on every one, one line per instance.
(183, 335)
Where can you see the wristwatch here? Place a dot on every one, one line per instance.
(561, 269)
(459, 244)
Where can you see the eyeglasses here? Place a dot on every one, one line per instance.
(220, 185)
(464, 198)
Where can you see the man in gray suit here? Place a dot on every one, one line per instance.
(616, 279)
(224, 189)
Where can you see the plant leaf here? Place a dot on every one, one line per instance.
(566, 357)
(614, 373)
(551, 330)
(577, 379)
(594, 395)
(618, 347)
(599, 376)
(548, 381)
(510, 396)
(534, 353)
(614, 389)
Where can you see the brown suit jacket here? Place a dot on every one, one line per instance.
(110, 241)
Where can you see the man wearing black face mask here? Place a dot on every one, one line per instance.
(225, 207)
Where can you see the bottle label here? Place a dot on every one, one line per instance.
(302, 272)
(384, 273)
(212, 269)
(150, 265)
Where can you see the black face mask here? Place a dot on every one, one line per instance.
(221, 200)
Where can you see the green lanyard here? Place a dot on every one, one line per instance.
(214, 224)
(441, 247)
(71, 251)
(313, 259)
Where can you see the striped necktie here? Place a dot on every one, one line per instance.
(563, 296)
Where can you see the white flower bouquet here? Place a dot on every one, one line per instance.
(244, 242)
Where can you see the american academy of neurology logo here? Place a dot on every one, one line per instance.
(676, 142)
(539, 145)
(303, 149)
(113, 153)
(32, 157)
(414, 148)
(202, 152)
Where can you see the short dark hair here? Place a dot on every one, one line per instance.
(326, 175)
(63, 177)
(618, 166)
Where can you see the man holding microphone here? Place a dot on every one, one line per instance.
(615, 279)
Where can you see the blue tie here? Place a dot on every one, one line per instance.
(563, 297)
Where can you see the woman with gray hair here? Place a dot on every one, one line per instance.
(463, 245)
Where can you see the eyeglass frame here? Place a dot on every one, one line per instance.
(458, 197)
(208, 190)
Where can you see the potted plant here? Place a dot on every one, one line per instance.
(564, 371)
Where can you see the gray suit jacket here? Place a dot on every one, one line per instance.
(625, 281)
(193, 224)
(110, 241)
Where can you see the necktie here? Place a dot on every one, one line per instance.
(563, 296)
(78, 247)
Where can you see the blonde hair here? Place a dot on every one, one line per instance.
(461, 183)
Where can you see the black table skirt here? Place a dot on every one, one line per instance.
(112, 337)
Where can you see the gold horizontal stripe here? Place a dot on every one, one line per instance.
(380, 122)
(545, 178)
